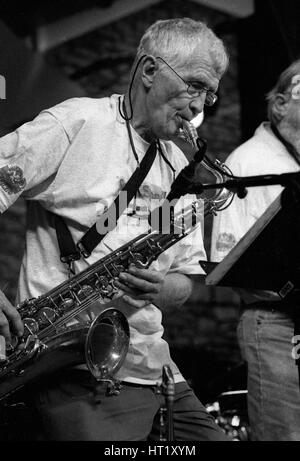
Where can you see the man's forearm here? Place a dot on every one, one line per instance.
(177, 288)
(144, 286)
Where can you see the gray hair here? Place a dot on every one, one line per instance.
(173, 39)
(283, 85)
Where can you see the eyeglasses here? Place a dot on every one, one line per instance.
(196, 89)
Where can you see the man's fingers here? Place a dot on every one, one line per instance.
(124, 287)
(4, 326)
(16, 321)
(138, 303)
(134, 294)
(140, 286)
(9, 316)
(138, 283)
(146, 274)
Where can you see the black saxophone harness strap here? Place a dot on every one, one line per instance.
(69, 251)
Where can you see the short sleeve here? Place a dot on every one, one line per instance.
(190, 253)
(29, 156)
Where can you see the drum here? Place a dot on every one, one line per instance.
(230, 414)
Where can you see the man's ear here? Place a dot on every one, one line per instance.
(149, 70)
(280, 105)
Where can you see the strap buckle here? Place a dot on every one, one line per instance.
(69, 260)
(82, 250)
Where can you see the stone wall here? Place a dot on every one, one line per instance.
(202, 333)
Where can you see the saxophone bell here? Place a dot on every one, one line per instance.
(111, 330)
(102, 345)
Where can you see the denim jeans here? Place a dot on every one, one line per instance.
(73, 407)
(265, 339)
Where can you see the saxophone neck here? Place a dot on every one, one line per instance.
(189, 133)
(222, 197)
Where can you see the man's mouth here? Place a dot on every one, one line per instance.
(180, 129)
(180, 122)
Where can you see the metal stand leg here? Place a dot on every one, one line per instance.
(167, 389)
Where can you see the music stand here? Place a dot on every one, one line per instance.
(267, 257)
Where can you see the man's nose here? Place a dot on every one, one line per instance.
(197, 104)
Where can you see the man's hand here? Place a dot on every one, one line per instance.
(144, 286)
(141, 286)
(9, 318)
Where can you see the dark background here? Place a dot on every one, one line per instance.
(44, 63)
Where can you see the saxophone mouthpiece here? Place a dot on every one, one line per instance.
(189, 134)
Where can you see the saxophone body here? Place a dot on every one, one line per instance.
(53, 339)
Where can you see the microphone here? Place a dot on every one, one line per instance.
(181, 184)
(162, 216)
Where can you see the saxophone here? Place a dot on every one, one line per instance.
(53, 339)
(50, 342)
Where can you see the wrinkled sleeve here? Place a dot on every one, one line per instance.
(29, 156)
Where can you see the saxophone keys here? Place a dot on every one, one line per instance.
(109, 291)
(104, 286)
(139, 260)
(67, 304)
(31, 326)
(101, 282)
(46, 316)
(116, 269)
(84, 292)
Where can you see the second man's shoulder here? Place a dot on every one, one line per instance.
(253, 153)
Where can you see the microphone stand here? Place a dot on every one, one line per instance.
(239, 184)
(167, 389)
(185, 184)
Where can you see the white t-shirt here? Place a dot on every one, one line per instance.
(261, 154)
(72, 160)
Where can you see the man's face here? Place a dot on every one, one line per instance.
(168, 101)
(291, 115)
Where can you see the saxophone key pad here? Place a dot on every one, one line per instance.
(46, 316)
(31, 326)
